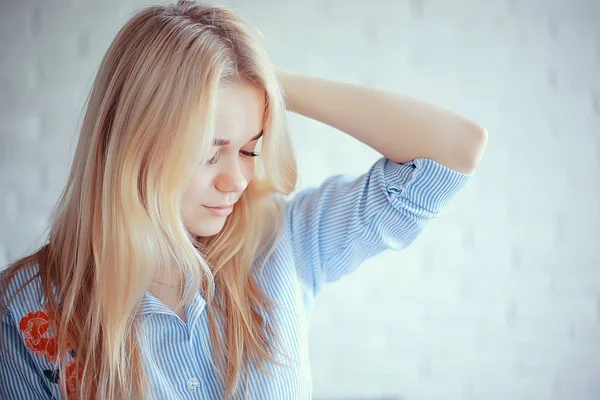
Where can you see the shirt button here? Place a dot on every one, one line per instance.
(193, 383)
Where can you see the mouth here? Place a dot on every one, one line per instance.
(221, 211)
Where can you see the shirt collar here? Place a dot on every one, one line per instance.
(152, 305)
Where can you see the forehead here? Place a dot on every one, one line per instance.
(240, 112)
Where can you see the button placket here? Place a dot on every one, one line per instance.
(194, 310)
(194, 385)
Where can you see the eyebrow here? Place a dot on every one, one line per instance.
(223, 142)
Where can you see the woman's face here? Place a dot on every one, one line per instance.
(218, 185)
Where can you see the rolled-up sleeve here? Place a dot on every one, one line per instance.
(336, 226)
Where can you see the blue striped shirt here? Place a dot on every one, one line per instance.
(329, 230)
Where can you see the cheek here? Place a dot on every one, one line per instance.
(249, 172)
(193, 195)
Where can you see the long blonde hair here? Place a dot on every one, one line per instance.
(149, 123)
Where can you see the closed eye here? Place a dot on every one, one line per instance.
(215, 158)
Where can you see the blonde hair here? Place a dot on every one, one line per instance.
(149, 123)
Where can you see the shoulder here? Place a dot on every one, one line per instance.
(24, 309)
(23, 298)
(27, 336)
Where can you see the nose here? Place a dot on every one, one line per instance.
(231, 179)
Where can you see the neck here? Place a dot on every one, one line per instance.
(166, 284)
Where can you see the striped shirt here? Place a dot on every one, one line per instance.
(328, 231)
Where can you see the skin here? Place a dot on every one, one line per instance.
(223, 180)
(398, 127)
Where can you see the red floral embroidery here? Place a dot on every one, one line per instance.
(35, 326)
(52, 350)
(74, 372)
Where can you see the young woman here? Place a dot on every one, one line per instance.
(176, 267)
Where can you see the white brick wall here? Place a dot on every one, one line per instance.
(500, 298)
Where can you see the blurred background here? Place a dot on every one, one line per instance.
(500, 297)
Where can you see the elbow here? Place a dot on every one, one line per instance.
(462, 148)
(473, 148)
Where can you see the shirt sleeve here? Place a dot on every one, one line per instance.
(336, 226)
(19, 377)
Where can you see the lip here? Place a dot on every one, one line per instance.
(221, 211)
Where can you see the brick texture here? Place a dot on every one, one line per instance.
(499, 298)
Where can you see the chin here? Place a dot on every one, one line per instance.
(209, 228)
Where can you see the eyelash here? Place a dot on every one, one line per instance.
(214, 160)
